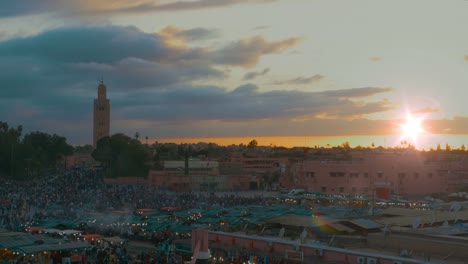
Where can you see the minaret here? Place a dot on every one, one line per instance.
(101, 121)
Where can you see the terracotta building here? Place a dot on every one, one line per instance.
(101, 120)
(400, 172)
(235, 173)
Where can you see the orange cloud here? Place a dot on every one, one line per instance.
(426, 110)
(375, 59)
(171, 37)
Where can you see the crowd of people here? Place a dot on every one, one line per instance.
(72, 193)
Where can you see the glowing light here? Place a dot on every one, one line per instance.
(412, 128)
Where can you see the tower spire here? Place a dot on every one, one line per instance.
(101, 113)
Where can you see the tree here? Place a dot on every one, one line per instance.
(9, 141)
(44, 150)
(86, 149)
(252, 144)
(122, 156)
(448, 147)
(31, 155)
(345, 145)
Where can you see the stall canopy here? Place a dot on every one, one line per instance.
(13, 242)
(114, 240)
(53, 247)
(91, 236)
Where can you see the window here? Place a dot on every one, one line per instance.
(337, 174)
(401, 175)
(429, 175)
(324, 189)
(353, 189)
(366, 174)
(416, 175)
(310, 174)
(354, 174)
(341, 189)
(380, 174)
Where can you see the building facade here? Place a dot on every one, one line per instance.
(408, 172)
(101, 120)
(236, 173)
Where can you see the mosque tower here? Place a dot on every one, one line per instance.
(101, 121)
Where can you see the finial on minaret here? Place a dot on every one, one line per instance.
(102, 80)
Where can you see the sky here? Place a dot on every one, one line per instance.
(284, 72)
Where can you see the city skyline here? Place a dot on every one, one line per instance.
(282, 72)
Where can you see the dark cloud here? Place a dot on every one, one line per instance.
(91, 7)
(49, 81)
(133, 59)
(183, 109)
(87, 44)
(302, 80)
(52, 77)
(253, 75)
(27, 7)
(246, 102)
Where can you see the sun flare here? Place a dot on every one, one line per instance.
(412, 128)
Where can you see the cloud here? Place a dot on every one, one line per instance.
(91, 7)
(135, 60)
(87, 44)
(27, 7)
(246, 111)
(253, 75)
(175, 35)
(247, 52)
(375, 59)
(191, 5)
(314, 79)
(55, 73)
(455, 125)
(426, 110)
(466, 58)
(261, 27)
(49, 82)
(357, 92)
(246, 102)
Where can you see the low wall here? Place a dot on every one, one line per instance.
(436, 246)
(304, 250)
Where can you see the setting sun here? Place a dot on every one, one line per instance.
(412, 128)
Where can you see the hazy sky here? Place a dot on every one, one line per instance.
(235, 68)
